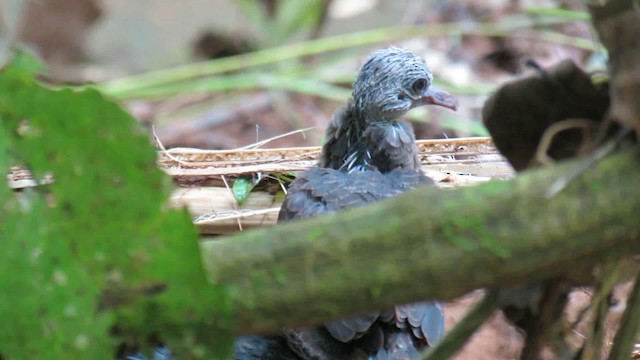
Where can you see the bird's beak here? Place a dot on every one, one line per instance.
(435, 96)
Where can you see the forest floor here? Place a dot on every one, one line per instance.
(91, 41)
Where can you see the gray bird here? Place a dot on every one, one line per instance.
(369, 155)
(368, 131)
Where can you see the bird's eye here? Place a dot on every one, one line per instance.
(419, 85)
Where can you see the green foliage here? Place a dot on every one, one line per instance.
(95, 248)
(290, 18)
(190, 74)
(278, 66)
(559, 13)
(241, 188)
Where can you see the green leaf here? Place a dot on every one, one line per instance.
(242, 187)
(97, 247)
(559, 12)
(296, 16)
(255, 13)
(24, 64)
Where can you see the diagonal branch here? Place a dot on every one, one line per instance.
(429, 243)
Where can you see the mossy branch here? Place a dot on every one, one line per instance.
(428, 244)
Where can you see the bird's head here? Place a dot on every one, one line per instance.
(393, 81)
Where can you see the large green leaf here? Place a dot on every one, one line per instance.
(96, 248)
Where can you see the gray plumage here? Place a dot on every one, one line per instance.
(320, 191)
(367, 131)
(397, 333)
(370, 155)
(263, 348)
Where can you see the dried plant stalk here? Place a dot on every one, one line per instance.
(449, 162)
(215, 210)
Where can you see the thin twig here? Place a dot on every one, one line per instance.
(162, 148)
(280, 182)
(458, 336)
(542, 152)
(544, 325)
(560, 183)
(266, 141)
(229, 215)
(629, 327)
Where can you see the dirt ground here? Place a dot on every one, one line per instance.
(497, 339)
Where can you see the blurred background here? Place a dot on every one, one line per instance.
(222, 74)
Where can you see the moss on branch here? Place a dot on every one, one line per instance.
(428, 244)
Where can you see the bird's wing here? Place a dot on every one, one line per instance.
(398, 344)
(338, 140)
(320, 191)
(405, 179)
(424, 319)
(346, 330)
(314, 192)
(263, 348)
